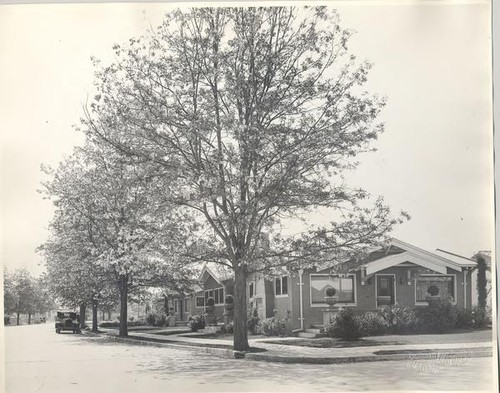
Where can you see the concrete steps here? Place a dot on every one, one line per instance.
(311, 333)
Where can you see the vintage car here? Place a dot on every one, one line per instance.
(67, 320)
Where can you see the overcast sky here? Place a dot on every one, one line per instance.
(432, 61)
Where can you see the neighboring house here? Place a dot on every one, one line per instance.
(397, 274)
(210, 284)
(487, 258)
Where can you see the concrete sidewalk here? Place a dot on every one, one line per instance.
(264, 351)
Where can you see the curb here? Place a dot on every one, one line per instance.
(220, 352)
(438, 355)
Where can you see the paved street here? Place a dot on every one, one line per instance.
(38, 360)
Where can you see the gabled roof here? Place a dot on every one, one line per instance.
(438, 261)
(205, 270)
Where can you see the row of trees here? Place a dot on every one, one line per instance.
(25, 294)
(208, 136)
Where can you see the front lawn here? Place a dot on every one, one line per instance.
(465, 336)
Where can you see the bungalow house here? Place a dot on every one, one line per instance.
(397, 274)
(211, 285)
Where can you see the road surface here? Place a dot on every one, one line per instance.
(38, 361)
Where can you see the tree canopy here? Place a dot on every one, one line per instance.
(255, 114)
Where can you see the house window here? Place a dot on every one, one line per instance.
(175, 305)
(209, 293)
(445, 285)
(343, 285)
(281, 285)
(200, 301)
(219, 295)
(251, 289)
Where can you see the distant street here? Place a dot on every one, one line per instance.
(38, 360)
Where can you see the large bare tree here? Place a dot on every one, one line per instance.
(258, 112)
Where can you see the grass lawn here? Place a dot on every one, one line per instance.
(457, 336)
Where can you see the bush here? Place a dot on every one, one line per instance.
(330, 292)
(6, 320)
(151, 318)
(371, 324)
(398, 319)
(465, 319)
(433, 290)
(156, 319)
(229, 299)
(253, 321)
(210, 301)
(196, 322)
(345, 326)
(275, 326)
(228, 328)
(438, 317)
(481, 316)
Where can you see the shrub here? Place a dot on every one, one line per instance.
(438, 317)
(398, 319)
(371, 324)
(210, 301)
(156, 319)
(228, 328)
(465, 319)
(330, 292)
(196, 322)
(151, 318)
(6, 320)
(229, 299)
(345, 326)
(433, 290)
(161, 320)
(481, 316)
(253, 321)
(274, 326)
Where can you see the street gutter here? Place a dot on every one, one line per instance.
(441, 354)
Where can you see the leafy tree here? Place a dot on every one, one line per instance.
(107, 212)
(9, 294)
(258, 112)
(22, 294)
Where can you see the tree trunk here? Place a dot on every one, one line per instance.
(83, 310)
(29, 319)
(94, 316)
(109, 315)
(123, 285)
(17, 318)
(240, 310)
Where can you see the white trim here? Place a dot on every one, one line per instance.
(376, 287)
(355, 290)
(407, 256)
(427, 254)
(436, 275)
(281, 286)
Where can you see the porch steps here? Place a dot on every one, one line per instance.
(181, 323)
(311, 333)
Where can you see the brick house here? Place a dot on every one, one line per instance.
(397, 274)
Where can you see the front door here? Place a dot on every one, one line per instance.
(385, 290)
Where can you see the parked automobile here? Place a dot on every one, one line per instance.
(67, 320)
